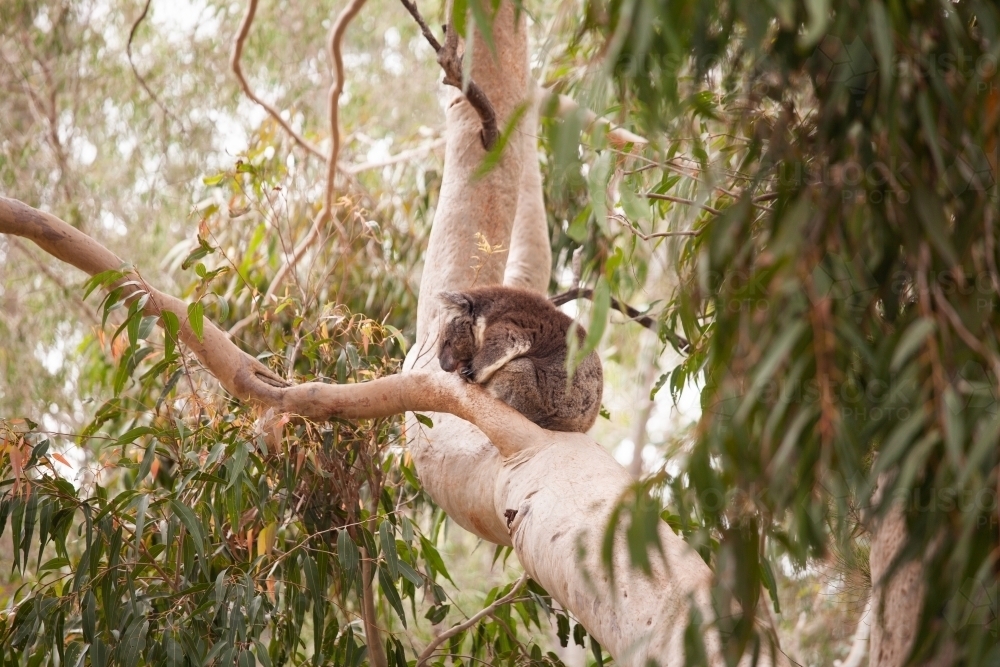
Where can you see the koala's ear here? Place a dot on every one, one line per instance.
(456, 302)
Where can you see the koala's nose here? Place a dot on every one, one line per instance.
(466, 373)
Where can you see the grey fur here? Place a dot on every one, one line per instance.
(513, 342)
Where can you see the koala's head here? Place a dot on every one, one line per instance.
(457, 341)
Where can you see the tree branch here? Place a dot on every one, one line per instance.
(681, 200)
(451, 62)
(325, 215)
(85, 309)
(455, 629)
(616, 134)
(234, 63)
(401, 156)
(139, 77)
(376, 651)
(247, 379)
(647, 237)
(587, 293)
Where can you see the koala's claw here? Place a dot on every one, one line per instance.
(467, 373)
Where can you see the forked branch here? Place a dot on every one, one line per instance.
(465, 625)
(451, 62)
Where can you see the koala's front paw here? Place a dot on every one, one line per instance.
(467, 373)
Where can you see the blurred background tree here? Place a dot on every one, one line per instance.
(812, 227)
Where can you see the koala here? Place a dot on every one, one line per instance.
(513, 342)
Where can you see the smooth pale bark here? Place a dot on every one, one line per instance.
(529, 262)
(563, 486)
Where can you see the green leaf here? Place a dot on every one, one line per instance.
(238, 463)
(484, 23)
(931, 215)
(636, 208)
(765, 369)
(434, 559)
(142, 504)
(597, 185)
(171, 327)
(98, 653)
(190, 521)
(56, 563)
(562, 629)
(819, 18)
(410, 574)
(424, 419)
(347, 552)
(391, 594)
(132, 434)
(884, 47)
(911, 341)
(147, 461)
(437, 613)
(658, 385)
(598, 321)
(134, 641)
(102, 279)
(495, 154)
(146, 326)
(387, 539)
(196, 318)
(769, 582)
(88, 614)
(262, 655)
(459, 12)
(598, 654)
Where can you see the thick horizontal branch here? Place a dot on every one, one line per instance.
(246, 378)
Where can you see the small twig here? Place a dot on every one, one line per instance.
(234, 64)
(991, 257)
(41, 266)
(325, 214)
(686, 171)
(401, 156)
(376, 651)
(925, 305)
(616, 134)
(139, 77)
(967, 336)
(647, 237)
(681, 200)
(587, 293)
(424, 28)
(335, 54)
(451, 62)
(454, 630)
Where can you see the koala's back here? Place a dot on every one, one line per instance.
(535, 383)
